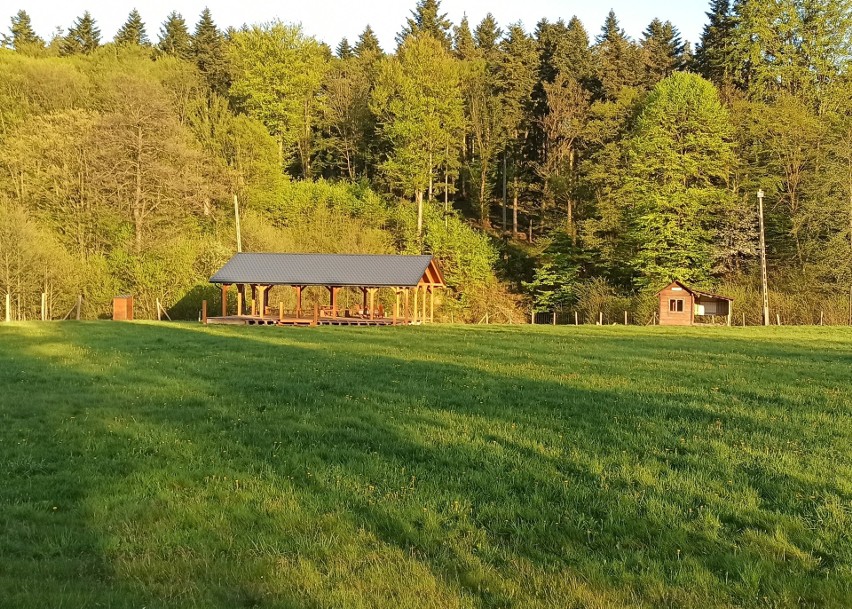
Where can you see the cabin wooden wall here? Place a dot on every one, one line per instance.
(669, 318)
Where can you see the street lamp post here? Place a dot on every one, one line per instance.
(763, 261)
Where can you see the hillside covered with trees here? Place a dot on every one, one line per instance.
(548, 168)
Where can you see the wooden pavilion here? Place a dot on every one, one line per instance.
(680, 305)
(413, 279)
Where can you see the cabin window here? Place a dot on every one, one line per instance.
(676, 305)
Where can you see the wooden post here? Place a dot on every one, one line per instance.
(280, 311)
(432, 305)
(8, 307)
(396, 306)
(364, 299)
(625, 318)
(315, 322)
(298, 301)
(79, 305)
(204, 312)
(416, 294)
(334, 302)
(532, 317)
(729, 319)
(159, 309)
(600, 317)
(821, 317)
(554, 317)
(423, 315)
(778, 318)
(407, 309)
(225, 300)
(743, 320)
(253, 307)
(240, 303)
(576, 319)
(372, 293)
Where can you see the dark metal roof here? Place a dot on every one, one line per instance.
(696, 293)
(363, 270)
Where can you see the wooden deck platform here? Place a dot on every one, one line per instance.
(247, 320)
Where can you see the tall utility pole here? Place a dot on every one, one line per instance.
(763, 261)
(237, 223)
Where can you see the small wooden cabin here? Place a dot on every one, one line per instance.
(680, 305)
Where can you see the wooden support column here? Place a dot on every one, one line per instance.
(253, 300)
(261, 297)
(396, 305)
(407, 310)
(423, 316)
(204, 312)
(225, 287)
(333, 301)
(240, 301)
(364, 299)
(431, 305)
(372, 292)
(416, 305)
(298, 301)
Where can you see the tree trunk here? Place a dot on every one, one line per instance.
(515, 208)
(484, 216)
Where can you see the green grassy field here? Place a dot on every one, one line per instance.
(149, 465)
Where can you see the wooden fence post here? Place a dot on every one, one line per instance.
(203, 312)
(625, 318)
(576, 319)
(532, 317)
(778, 318)
(600, 318)
(554, 317)
(743, 320)
(821, 317)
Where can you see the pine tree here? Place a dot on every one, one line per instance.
(174, 37)
(714, 54)
(22, 36)
(344, 50)
(487, 35)
(464, 45)
(368, 44)
(209, 53)
(618, 64)
(133, 31)
(662, 51)
(427, 18)
(83, 37)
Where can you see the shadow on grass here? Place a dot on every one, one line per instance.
(443, 473)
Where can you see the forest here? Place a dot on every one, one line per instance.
(552, 169)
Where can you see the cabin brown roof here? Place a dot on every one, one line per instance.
(694, 292)
(360, 270)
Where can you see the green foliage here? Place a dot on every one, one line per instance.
(175, 39)
(427, 18)
(133, 31)
(22, 36)
(367, 45)
(679, 167)
(278, 72)
(208, 51)
(83, 37)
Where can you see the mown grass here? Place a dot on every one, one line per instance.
(183, 466)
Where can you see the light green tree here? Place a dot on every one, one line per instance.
(278, 75)
(419, 106)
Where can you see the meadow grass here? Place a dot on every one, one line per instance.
(148, 465)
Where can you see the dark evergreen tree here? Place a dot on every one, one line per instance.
(133, 31)
(463, 42)
(662, 51)
(487, 35)
(208, 50)
(174, 37)
(427, 18)
(715, 51)
(344, 49)
(22, 36)
(83, 37)
(368, 44)
(617, 62)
